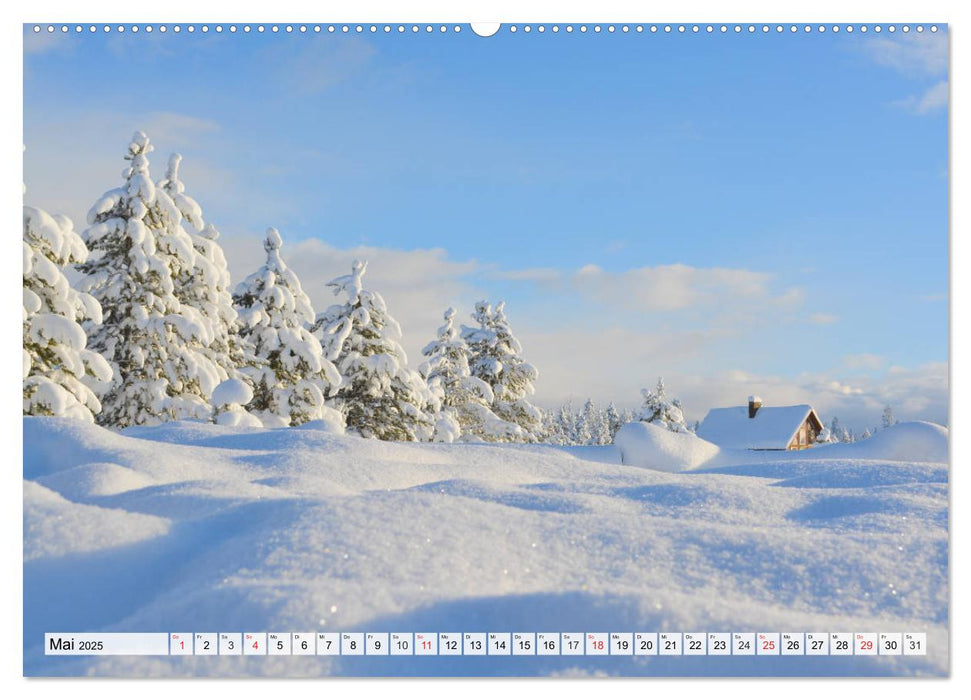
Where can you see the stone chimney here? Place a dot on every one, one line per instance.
(754, 404)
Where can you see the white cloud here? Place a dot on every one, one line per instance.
(864, 361)
(540, 275)
(931, 100)
(614, 364)
(911, 54)
(823, 319)
(679, 287)
(915, 55)
(611, 364)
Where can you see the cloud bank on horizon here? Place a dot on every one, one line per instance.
(770, 218)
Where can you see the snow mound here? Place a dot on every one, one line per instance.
(290, 528)
(96, 479)
(232, 391)
(916, 441)
(646, 445)
(54, 526)
(330, 421)
(868, 475)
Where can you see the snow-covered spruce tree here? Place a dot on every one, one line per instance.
(548, 429)
(152, 341)
(380, 396)
(568, 421)
(614, 420)
(596, 428)
(888, 417)
(495, 358)
(59, 370)
(206, 285)
(659, 410)
(285, 363)
(465, 399)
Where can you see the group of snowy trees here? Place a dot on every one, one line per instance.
(152, 333)
(837, 432)
(589, 425)
(595, 425)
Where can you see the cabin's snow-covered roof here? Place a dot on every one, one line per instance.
(772, 428)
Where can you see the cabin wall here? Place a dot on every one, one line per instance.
(805, 437)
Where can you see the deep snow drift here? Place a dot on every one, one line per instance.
(647, 445)
(191, 527)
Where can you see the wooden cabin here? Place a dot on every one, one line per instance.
(758, 427)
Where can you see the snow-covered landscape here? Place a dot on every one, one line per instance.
(468, 354)
(199, 527)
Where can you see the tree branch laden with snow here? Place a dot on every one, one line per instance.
(380, 396)
(285, 363)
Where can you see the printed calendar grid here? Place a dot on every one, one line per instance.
(488, 644)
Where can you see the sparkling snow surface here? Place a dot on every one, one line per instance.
(200, 528)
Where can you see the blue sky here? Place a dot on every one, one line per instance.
(739, 213)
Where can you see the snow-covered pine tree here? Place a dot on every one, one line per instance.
(659, 410)
(495, 358)
(465, 399)
(597, 426)
(888, 417)
(151, 340)
(206, 285)
(548, 428)
(562, 425)
(285, 362)
(592, 427)
(583, 424)
(58, 368)
(380, 396)
(614, 420)
(835, 429)
(866, 434)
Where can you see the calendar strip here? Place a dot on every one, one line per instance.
(487, 644)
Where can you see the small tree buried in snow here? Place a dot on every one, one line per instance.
(495, 358)
(285, 362)
(229, 401)
(57, 367)
(205, 285)
(152, 340)
(465, 399)
(662, 412)
(380, 397)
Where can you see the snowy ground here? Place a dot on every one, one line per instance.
(200, 528)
